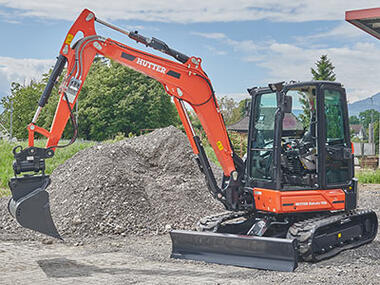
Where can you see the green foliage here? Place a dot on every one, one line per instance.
(354, 120)
(61, 155)
(231, 110)
(210, 153)
(4, 192)
(239, 142)
(324, 69)
(116, 99)
(242, 108)
(333, 112)
(369, 176)
(226, 106)
(366, 117)
(119, 137)
(306, 108)
(25, 102)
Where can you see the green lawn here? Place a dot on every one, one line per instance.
(6, 159)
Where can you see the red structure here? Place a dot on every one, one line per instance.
(366, 19)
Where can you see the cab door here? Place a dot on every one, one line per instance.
(335, 156)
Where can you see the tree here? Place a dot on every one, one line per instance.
(354, 120)
(25, 99)
(324, 69)
(227, 106)
(367, 116)
(25, 102)
(114, 99)
(231, 110)
(242, 108)
(305, 116)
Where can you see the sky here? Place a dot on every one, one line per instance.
(242, 43)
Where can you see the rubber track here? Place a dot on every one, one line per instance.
(304, 231)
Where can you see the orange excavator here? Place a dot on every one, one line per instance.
(293, 197)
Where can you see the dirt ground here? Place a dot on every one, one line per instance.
(145, 260)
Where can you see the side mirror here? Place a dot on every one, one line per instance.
(288, 103)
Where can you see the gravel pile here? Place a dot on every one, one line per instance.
(144, 185)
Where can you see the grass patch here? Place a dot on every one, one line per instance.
(368, 176)
(211, 154)
(61, 155)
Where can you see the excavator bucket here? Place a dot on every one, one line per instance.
(30, 204)
(246, 251)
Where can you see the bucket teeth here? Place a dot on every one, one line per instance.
(30, 204)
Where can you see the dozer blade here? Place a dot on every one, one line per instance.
(30, 204)
(246, 251)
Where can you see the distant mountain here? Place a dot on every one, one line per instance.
(366, 104)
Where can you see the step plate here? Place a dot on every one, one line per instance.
(246, 251)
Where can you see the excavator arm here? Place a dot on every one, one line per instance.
(185, 81)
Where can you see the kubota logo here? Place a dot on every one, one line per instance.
(151, 65)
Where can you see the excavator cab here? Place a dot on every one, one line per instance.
(302, 144)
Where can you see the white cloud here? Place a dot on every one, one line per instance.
(183, 11)
(214, 36)
(342, 32)
(215, 50)
(356, 66)
(21, 70)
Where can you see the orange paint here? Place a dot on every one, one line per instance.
(184, 81)
(299, 201)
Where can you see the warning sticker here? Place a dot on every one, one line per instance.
(69, 39)
(220, 145)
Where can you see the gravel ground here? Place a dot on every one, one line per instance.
(145, 260)
(114, 204)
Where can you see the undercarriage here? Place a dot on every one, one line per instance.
(319, 236)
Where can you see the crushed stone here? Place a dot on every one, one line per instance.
(148, 184)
